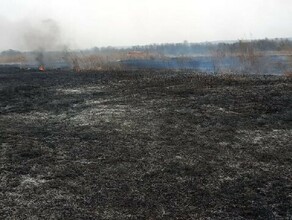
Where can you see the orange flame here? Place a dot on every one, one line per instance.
(42, 68)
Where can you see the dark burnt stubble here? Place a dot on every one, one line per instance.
(144, 144)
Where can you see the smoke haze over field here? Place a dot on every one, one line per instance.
(31, 24)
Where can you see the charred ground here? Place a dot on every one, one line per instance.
(144, 145)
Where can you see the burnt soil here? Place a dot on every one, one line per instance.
(144, 145)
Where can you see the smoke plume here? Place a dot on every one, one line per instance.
(42, 37)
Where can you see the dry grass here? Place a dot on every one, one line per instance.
(288, 74)
(13, 59)
(88, 62)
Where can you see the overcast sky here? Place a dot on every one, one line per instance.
(89, 23)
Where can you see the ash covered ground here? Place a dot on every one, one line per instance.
(144, 145)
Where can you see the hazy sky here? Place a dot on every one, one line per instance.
(88, 23)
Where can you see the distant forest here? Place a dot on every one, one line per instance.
(267, 55)
(184, 48)
(188, 49)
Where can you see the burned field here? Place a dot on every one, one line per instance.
(144, 145)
